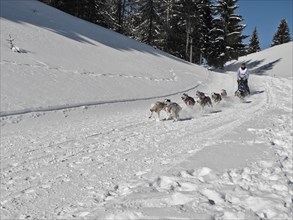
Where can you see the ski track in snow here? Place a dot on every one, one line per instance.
(112, 169)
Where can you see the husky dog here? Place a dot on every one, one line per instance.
(240, 94)
(223, 93)
(216, 97)
(199, 94)
(189, 101)
(157, 107)
(172, 109)
(205, 100)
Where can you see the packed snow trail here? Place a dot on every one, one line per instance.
(262, 190)
(78, 164)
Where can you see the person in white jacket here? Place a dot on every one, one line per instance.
(243, 74)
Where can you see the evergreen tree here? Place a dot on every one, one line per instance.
(253, 45)
(188, 28)
(103, 15)
(186, 11)
(168, 27)
(216, 51)
(202, 27)
(122, 13)
(150, 27)
(282, 34)
(95, 11)
(131, 20)
(87, 10)
(174, 27)
(226, 37)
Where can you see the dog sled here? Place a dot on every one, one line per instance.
(242, 90)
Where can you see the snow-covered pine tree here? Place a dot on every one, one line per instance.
(226, 36)
(103, 15)
(150, 28)
(282, 34)
(122, 14)
(216, 51)
(253, 45)
(174, 26)
(202, 28)
(188, 24)
(130, 19)
(187, 13)
(167, 25)
(95, 11)
(89, 10)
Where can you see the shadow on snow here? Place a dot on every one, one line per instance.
(59, 22)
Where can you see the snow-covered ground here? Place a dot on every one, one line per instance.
(77, 143)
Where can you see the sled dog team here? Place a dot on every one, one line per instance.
(173, 109)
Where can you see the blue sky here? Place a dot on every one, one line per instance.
(265, 15)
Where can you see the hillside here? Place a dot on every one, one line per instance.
(275, 62)
(74, 60)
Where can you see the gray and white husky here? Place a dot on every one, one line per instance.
(223, 93)
(216, 97)
(204, 101)
(157, 107)
(188, 100)
(172, 109)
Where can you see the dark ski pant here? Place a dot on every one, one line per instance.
(246, 85)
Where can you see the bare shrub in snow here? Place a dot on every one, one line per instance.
(12, 46)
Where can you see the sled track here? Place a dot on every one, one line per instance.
(75, 158)
(86, 104)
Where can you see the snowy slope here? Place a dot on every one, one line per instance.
(77, 143)
(275, 62)
(79, 63)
